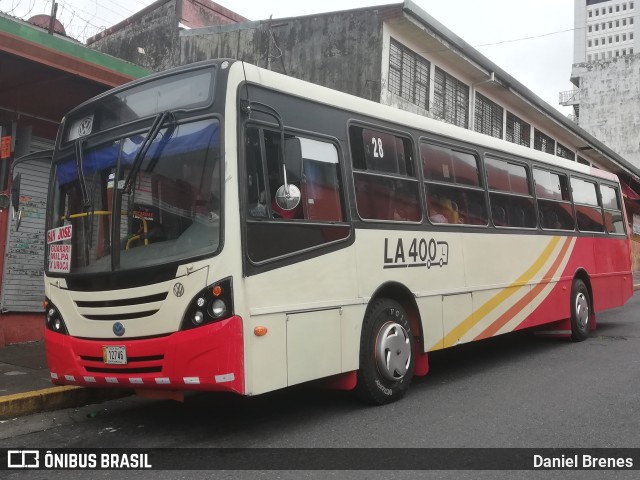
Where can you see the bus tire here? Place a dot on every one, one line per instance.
(387, 359)
(580, 311)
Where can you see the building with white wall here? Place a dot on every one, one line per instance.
(606, 73)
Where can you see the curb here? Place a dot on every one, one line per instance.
(54, 398)
(636, 287)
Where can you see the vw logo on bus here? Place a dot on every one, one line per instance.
(85, 127)
(118, 329)
(178, 289)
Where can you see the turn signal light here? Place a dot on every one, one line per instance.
(260, 331)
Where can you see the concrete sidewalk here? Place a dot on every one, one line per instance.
(25, 386)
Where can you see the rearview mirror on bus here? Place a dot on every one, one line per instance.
(288, 195)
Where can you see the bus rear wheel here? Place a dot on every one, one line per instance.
(580, 311)
(386, 354)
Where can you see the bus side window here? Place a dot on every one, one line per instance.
(384, 176)
(256, 191)
(312, 167)
(453, 189)
(320, 185)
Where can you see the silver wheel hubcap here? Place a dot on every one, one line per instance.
(393, 351)
(582, 310)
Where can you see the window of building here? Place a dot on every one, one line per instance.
(610, 24)
(596, 42)
(624, 51)
(617, 53)
(617, 8)
(617, 38)
(544, 143)
(453, 189)
(631, 36)
(613, 219)
(624, 22)
(631, 51)
(488, 116)
(588, 58)
(409, 75)
(583, 161)
(450, 99)
(624, 6)
(588, 212)
(597, 27)
(624, 37)
(518, 131)
(610, 9)
(510, 197)
(617, 23)
(589, 43)
(554, 202)
(631, 21)
(564, 152)
(590, 14)
(384, 176)
(610, 39)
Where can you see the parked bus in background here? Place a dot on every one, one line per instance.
(222, 227)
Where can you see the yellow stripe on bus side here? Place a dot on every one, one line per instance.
(475, 317)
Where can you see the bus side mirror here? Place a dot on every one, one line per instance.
(288, 195)
(15, 200)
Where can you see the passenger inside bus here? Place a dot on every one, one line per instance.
(442, 210)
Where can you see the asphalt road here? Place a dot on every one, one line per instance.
(513, 391)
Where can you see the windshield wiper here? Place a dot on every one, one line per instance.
(156, 126)
(86, 203)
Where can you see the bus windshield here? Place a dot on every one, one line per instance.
(169, 209)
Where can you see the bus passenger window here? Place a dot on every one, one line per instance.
(554, 203)
(511, 201)
(453, 188)
(613, 216)
(384, 176)
(588, 211)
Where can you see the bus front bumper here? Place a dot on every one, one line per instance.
(204, 358)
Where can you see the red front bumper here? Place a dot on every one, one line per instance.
(204, 358)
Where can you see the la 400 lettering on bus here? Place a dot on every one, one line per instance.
(415, 253)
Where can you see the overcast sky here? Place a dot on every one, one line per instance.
(531, 39)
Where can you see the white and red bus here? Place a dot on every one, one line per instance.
(222, 227)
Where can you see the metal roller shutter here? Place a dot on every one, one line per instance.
(22, 285)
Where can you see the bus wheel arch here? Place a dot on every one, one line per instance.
(402, 295)
(581, 306)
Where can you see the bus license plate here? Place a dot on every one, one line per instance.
(114, 355)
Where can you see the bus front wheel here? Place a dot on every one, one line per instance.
(386, 353)
(580, 311)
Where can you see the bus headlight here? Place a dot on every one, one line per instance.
(198, 318)
(217, 309)
(211, 304)
(54, 321)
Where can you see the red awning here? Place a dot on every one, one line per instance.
(628, 192)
